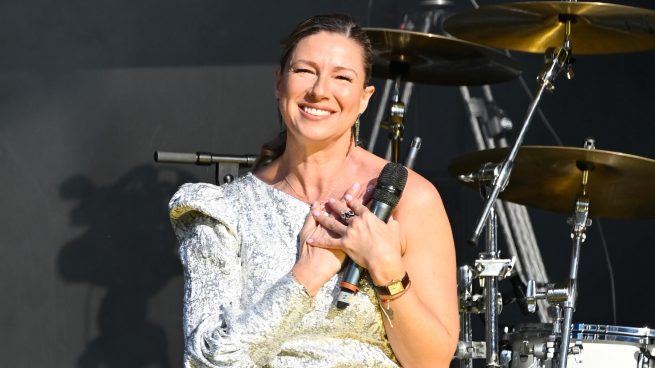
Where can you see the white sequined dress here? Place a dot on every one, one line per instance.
(242, 306)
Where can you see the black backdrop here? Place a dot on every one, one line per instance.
(88, 90)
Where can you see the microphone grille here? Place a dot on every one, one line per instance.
(391, 184)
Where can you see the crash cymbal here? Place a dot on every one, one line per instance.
(596, 28)
(433, 59)
(619, 185)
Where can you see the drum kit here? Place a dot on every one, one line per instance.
(582, 182)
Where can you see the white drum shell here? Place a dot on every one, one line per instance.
(602, 346)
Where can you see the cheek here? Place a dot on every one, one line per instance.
(295, 85)
(350, 98)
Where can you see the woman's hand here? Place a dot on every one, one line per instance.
(316, 265)
(367, 240)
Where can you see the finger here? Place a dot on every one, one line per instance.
(341, 211)
(310, 219)
(310, 224)
(326, 243)
(368, 194)
(357, 206)
(353, 191)
(328, 222)
(337, 207)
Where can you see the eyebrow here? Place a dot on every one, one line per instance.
(313, 64)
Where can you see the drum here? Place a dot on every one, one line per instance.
(597, 346)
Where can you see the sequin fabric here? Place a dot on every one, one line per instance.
(242, 306)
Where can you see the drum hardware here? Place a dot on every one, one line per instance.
(489, 268)
(414, 147)
(419, 57)
(548, 177)
(579, 222)
(645, 358)
(570, 23)
(395, 125)
(554, 294)
(469, 350)
(593, 346)
(556, 61)
(469, 303)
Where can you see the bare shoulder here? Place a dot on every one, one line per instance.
(423, 218)
(419, 193)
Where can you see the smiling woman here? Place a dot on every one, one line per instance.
(263, 255)
(322, 89)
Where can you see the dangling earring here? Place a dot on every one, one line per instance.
(356, 131)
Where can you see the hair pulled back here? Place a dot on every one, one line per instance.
(334, 23)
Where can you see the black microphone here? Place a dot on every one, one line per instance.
(387, 193)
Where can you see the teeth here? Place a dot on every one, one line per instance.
(313, 111)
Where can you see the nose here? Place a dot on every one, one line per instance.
(320, 89)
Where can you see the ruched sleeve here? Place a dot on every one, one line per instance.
(218, 331)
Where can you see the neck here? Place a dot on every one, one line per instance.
(315, 175)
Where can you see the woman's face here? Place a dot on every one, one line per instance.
(322, 91)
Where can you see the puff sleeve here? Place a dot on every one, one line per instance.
(218, 330)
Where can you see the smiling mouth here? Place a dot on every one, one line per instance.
(315, 111)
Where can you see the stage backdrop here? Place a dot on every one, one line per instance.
(89, 90)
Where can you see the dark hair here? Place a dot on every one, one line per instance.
(334, 23)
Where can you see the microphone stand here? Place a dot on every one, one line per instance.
(227, 166)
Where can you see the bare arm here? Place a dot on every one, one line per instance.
(418, 240)
(425, 320)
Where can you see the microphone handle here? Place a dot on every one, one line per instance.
(350, 282)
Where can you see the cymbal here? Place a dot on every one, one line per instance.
(619, 185)
(433, 59)
(596, 28)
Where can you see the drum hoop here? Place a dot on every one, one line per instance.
(585, 331)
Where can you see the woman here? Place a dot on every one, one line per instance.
(262, 268)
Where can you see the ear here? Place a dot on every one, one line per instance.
(366, 97)
(278, 81)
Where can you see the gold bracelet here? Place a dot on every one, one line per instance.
(386, 309)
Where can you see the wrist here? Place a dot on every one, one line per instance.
(306, 279)
(384, 272)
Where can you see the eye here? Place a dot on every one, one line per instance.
(345, 78)
(302, 70)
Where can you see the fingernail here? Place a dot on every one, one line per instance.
(314, 205)
(325, 213)
(356, 186)
(331, 200)
(316, 213)
(370, 188)
(309, 240)
(348, 197)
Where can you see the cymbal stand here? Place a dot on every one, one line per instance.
(579, 223)
(395, 125)
(489, 269)
(565, 297)
(431, 14)
(396, 119)
(488, 266)
(469, 304)
(556, 60)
